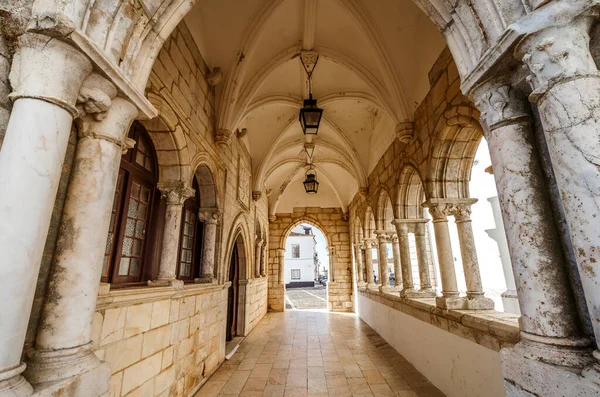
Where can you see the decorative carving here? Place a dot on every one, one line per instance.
(405, 131)
(461, 212)
(272, 218)
(214, 77)
(309, 61)
(210, 216)
(363, 191)
(499, 102)
(243, 190)
(241, 133)
(223, 137)
(256, 194)
(345, 217)
(176, 194)
(95, 97)
(557, 53)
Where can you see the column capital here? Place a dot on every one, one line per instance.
(558, 54)
(209, 215)
(258, 242)
(500, 103)
(360, 246)
(223, 137)
(394, 238)
(95, 97)
(256, 194)
(280, 251)
(441, 209)
(176, 193)
(48, 70)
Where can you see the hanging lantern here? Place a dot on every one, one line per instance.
(310, 183)
(310, 117)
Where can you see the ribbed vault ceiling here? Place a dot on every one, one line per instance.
(374, 59)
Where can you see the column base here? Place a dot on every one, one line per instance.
(427, 293)
(361, 284)
(373, 286)
(573, 353)
(410, 293)
(177, 284)
(528, 376)
(451, 302)
(479, 302)
(204, 280)
(386, 289)
(13, 384)
(77, 370)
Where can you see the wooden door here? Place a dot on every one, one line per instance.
(232, 303)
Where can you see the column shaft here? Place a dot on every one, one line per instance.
(398, 279)
(62, 347)
(263, 261)
(369, 263)
(384, 271)
(257, 256)
(359, 264)
(211, 220)
(422, 257)
(47, 75)
(281, 258)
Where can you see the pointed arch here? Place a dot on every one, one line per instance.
(410, 193)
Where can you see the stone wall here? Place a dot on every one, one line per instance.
(160, 342)
(336, 230)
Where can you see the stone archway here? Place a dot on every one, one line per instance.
(237, 275)
(337, 233)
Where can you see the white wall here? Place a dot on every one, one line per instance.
(457, 366)
(305, 263)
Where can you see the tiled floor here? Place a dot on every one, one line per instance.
(299, 353)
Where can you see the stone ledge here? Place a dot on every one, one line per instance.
(491, 329)
(131, 296)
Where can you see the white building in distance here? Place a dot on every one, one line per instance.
(300, 257)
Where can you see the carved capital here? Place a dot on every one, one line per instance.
(209, 216)
(461, 212)
(557, 54)
(499, 103)
(176, 194)
(441, 209)
(223, 137)
(259, 242)
(405, 131)
(256, 194)
(95, 97)
(214, 77)
(363, 191)
(394, 238)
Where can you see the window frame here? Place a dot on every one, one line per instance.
(294, 246)
(299, 277)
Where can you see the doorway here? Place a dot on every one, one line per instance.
(233, 294)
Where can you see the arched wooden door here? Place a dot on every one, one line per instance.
(233, 298)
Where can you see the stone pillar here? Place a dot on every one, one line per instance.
(551, 330)
(331, 250)
(209, 245)
(63, 344)
(257, 255)
(450, 296)
(384, 271)
(423, 258)
(176, 195)
(46, 75)
(358, 254)
(263, 261)
(281, 259)
(368, 243)
(475, 295)
(408, 285)
(498, 234)
(397, 263)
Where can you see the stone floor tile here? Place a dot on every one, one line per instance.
(373, 376)
(359, 386)
(352, 371)
(278, 376)
(294, 391)
(211, 388)
(261, 371)
(382, 389)
(274, 391)
(255, 384)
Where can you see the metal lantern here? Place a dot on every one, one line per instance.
(310, 183)
(310, 117)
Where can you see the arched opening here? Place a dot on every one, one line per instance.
(236, 293)
(306, 268)
(131, 250)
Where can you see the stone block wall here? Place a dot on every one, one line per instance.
(336, 230)
(161, 342)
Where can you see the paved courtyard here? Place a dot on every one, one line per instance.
(302, 354)
(306, 298)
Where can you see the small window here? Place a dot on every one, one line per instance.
(296, 251)
(295, 273)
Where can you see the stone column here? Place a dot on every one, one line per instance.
(475, 295)
(263, 262)
(176, 194)
(450, 296)
(209, 245)
(63, 344)
(397, 263)
(532, 239)
(423, 258)
(257, 255)
(281, 258)
(408, 285)
(331, 250)
(368, 243)
(46, 75)
(384, 271)
(358, 254)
